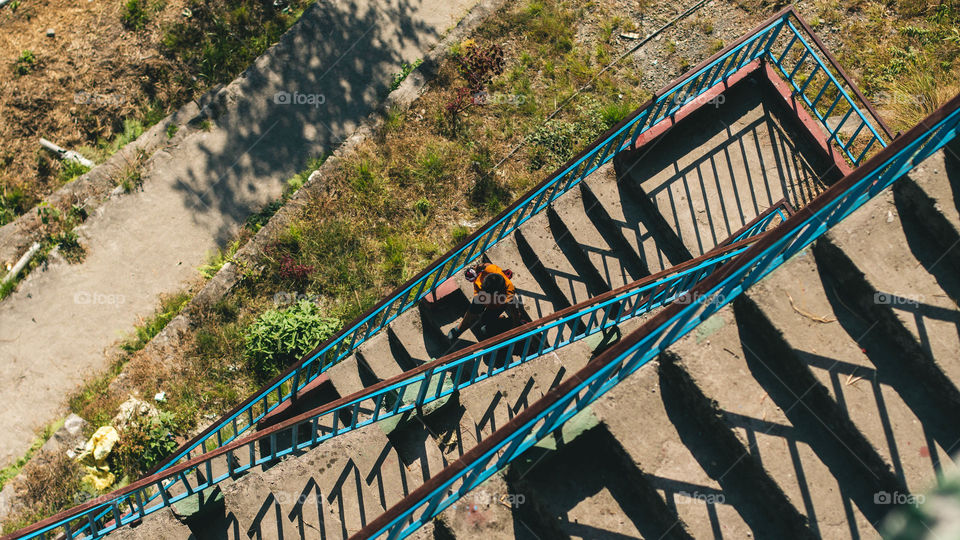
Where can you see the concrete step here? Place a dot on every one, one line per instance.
(540, 295)
(582, 485)
(879, 394)
(550, 264)
(722, 166)
(637, 219)
(889, 274)
(408, 342)
(161, 525)
(610, 257)
(492, 403)
(330, 491)
(711, 490)
(486, 512)
(786, 421)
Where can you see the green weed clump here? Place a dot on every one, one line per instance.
(279, 337)
(143, 444)
(220, 39)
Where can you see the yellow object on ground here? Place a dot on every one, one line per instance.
(94, 458)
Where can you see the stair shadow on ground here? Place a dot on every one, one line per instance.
(583, 488)
(322, 494)
(815, 421)
(723, 165)
(910, 383)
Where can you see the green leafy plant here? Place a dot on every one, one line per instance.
(405, 71)
(70, 247)
(135, 15)
(278, 337)
(143, 444)
(25, 63)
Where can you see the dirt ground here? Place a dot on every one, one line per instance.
(82, 83)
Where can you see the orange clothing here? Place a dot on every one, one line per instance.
(494, 269)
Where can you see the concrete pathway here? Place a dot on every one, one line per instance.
(300, 99)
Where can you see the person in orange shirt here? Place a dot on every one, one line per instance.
(493, 294)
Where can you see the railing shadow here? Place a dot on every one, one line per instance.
(598, 491)
(815, 421)
(726, 163)
(328, 492)
(893, 371)
(841, 376)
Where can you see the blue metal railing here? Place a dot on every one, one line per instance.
(712, 72)
(755, 45)
(780, 211)
(799, 64)
(409, 391)
(581, 389)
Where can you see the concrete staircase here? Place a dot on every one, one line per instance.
(788, 414)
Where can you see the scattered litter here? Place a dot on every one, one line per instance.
(630, 35)
(889, 216)
(808, 315)
(853, 380)
(51, 32)
(731, 352)
(160, 397)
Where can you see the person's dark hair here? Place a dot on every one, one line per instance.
(494, 283)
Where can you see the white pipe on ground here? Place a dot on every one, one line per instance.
(63, 153)
(22, 263)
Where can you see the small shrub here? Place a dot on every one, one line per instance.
(278, 337)
(143, 444)
(460, 233)
(14, 201)
(70, 170)
(422, 206)
(172, 130)
(219, 258)
(135, 15)
(69, 244)
(551, 142)
(291, 270)
(478, 65)
(49, 483)
(132, 180)
(613, 113)
(25, 63)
